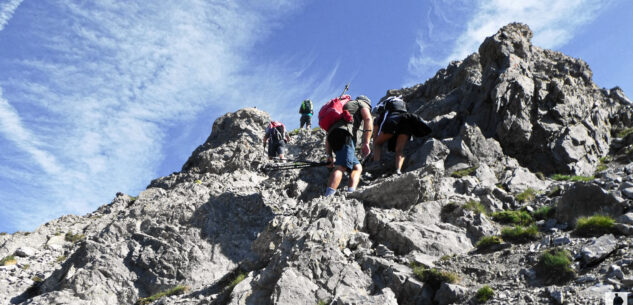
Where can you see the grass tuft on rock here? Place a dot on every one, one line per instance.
(594, 226)
(488, 241)
(520, 234)
(323, 302)
(37, 279)
(475, 206)
(173, 291)
(561, 177)
(73, 238)
(528, 194)
(582, 178)
(625, 132)
(513, 217)
(484, 294)
(464, 172)
(544, 212)
(8, 261)
(554, 266)
(434, 276)
(240, 277)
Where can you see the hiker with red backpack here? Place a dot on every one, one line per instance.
(306, 114)
(341, 118)
(277, 137)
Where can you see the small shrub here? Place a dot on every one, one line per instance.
(561, 177)
(625, 132)
(544, 212)
(315, 129)
(174, 291)
(464, 172)
(26, 267)
(73, 238)
(475, 206)
(294, 132)
(594, 226)
(133, 199)
(554, 266)
(520, 234)
(37, 279)
(198, 181)
(488, 241)
(445, 257)
(582, 178)
(433, 276)
(484, 294)
(240, 277)
(9, 260)
(601, 167)
(513, 217)
(528, 195)
(323, 302)
(60, 258)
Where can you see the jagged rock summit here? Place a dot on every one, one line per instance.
(222, 232)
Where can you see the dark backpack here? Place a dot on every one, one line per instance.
(277, 130)
(306, 107)
(395, 104)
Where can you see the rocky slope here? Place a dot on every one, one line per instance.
(509, 116)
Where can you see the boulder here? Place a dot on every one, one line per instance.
(598, 249)
(451, 294)
(587, 199)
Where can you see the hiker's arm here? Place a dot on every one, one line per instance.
(367, 130)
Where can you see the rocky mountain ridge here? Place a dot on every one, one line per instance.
(509, 123)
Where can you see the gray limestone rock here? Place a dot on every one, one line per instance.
(598, 249)
(587, 199)
(451, 294)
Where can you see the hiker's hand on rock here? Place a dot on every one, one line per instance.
(365, 150)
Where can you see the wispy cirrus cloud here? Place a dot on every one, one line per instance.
(6, 11)
(98, 86)
(464, 28)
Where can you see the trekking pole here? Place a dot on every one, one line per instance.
(345, 90)
(288, 166)
(297, 161)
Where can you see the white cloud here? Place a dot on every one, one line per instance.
(6, 11)
(553, 22)
(106, 80)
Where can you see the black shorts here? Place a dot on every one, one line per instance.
(276, 149)
(397, 124)
(338, 138)
(305, 120)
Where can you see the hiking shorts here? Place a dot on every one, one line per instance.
(305, 120)
(276, 149)
(343, 145)
(396, 124)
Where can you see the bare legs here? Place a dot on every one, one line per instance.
(401, 142)
(337, 175)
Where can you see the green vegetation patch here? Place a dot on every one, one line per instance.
(73, 238)
(475, 206)
(324, 302)
(37, 279)
(488, 241)
(60, 258)
(513, 217)
(8, 260)
(520, 234)
(554, 266)
(198, 181)
(560, 177)
(528, 195)
(240, 277)
(594, 226)
(464, 172)
(582, 178)
(174, 291)
(433, 276)
(484, 294)
(544, 212)
(625, 132)
(26, 267)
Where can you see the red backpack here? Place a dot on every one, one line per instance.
(333, 112)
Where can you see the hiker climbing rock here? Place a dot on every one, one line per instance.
(278, 137)
(341, 118)
(306, 114)
(396, 125)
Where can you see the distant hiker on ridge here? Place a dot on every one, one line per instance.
(306, 114)
(396, 125)
(278, 137)
(341, 119)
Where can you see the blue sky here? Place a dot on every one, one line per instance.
(103, 96)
